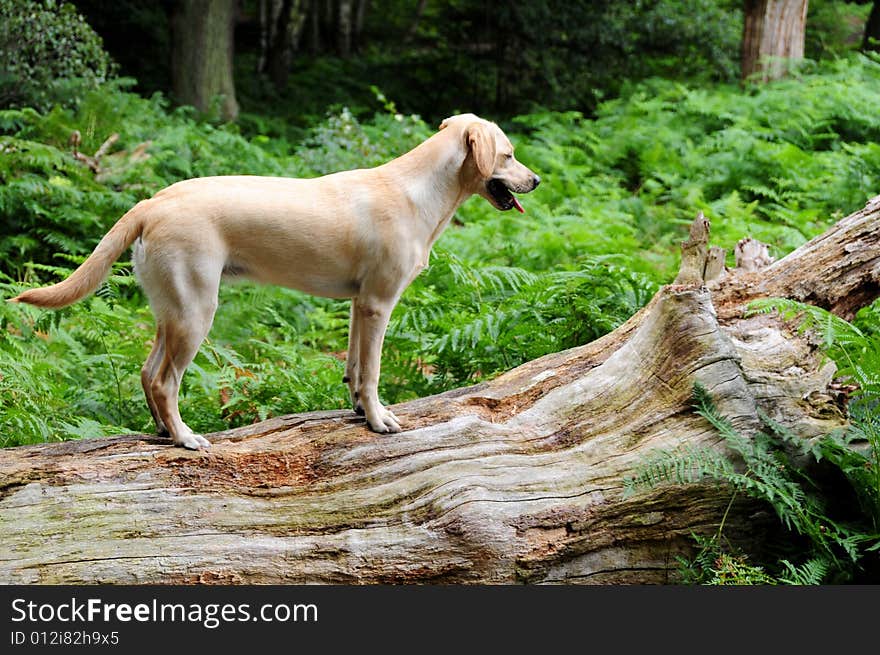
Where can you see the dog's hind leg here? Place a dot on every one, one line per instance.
(148, 373)
(352, 360)
(182, 341)
(182, 287)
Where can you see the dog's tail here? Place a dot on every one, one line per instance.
(85, 279)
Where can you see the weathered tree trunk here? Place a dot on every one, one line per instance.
(202, 50)
(773, 36)
(515, 480)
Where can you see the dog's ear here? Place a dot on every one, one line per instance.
(481, 143)
(445, 123)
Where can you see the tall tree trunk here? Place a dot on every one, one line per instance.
(284, 25)
(519, 479)
(265, 21)
(269, 12)
(202, 52)
(360, 16)
(773, 37)
(344, 27)
(871, 39)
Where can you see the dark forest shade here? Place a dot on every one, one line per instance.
(872, 29)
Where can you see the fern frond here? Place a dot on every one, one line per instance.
(685, 465)
(811, 572)
(832, 328)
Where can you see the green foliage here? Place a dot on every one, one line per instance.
(766, 162)
(341, 142)
(473, 320)
(49, 54)
(473, 55)
(811, 572)
(712, 565)
(834, 27)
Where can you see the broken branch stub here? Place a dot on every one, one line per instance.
(694, 253)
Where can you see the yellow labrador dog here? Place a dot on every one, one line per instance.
(362, 234)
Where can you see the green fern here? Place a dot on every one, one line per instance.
(766, 473)
(812, 572)
(683, 465)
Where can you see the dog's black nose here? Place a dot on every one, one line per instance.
(536, 181)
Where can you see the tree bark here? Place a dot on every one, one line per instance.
(773, 37)
(519, 479)
(202, 51)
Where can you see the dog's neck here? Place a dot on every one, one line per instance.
(441, 183)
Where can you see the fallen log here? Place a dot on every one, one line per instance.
(519, 479)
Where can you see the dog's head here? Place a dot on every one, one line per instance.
(490, 169)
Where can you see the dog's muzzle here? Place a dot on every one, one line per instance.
(502, 195)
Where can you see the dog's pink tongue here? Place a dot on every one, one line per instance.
(518, 206)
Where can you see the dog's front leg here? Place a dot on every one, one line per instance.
(352, 361)
(372, 320)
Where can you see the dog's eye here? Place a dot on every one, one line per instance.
(508, 156)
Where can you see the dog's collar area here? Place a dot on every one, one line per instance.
(502, 195)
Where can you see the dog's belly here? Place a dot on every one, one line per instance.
(310, 275)
(313, 284)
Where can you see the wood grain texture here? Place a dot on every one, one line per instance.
(515, 480)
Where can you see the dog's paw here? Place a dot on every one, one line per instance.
(192, 441)
(356, 404)
(386, 422)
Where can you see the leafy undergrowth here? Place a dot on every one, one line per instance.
(779, 162)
